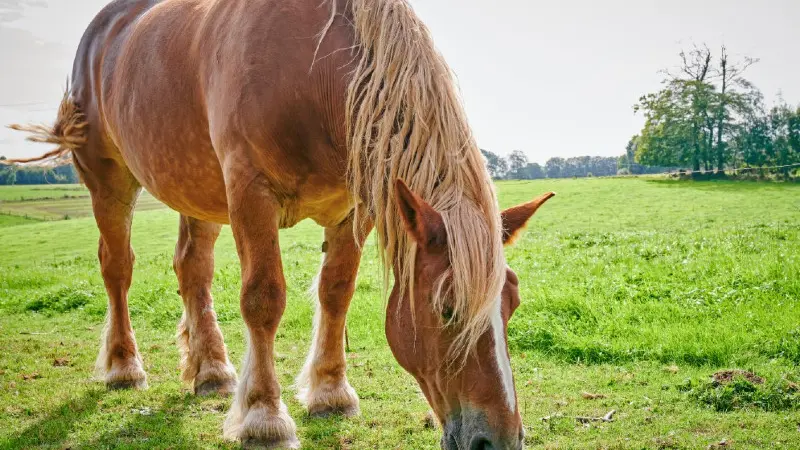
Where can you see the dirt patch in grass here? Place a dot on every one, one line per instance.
(731, 390)
(727, 376)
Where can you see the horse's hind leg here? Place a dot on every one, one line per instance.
(204, 359)
(323, 386)
(114, 191)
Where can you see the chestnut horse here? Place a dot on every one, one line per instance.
(259, 114)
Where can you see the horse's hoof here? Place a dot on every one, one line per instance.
(223, 388)
(329, 401)
(139, 384)
(324, 411)
(258, 444)
(261, 427)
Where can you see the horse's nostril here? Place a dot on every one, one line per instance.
(481, 443)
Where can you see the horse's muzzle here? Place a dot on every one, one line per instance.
(470, 430)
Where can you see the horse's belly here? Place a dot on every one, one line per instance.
(187, 180)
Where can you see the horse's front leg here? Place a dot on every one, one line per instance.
(322, 384)
(258, 416)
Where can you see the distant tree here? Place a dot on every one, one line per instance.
(534, 171)
(38, 175)
(497, 166)
(627, 160)
(699, 118)
(784, 126)
(554, 167)
(730, 100)
(517, 163)
(66, 174)
(7, 173)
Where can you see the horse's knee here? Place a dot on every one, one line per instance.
(334, 297)
(177, 263)
(193, 262)
(263, 302)
(115, 263)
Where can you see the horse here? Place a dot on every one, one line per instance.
(262, 113)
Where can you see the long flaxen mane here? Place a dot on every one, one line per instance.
(406, 120)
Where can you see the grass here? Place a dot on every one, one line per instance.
(10, 220)
(635, 289)
(45, 203)
(46, 191)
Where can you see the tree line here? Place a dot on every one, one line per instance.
(517, 167)
(708, 117)
(65, 174)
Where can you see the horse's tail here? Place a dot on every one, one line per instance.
(68, 133)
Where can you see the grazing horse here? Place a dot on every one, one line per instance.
(261, 113)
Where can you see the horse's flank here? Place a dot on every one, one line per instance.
(405, 120)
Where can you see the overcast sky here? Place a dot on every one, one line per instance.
(555, 78)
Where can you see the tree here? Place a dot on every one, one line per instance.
(730, 78)
(690, 121)
(692, 85)
(534, 171)
(784, 128)
(517, 163)
(554, 167)
(497, 166)
(37, 175)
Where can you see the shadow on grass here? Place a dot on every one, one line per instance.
(147, 428)
(53, 429)
(323, 432)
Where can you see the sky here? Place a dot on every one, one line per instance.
(554, 78)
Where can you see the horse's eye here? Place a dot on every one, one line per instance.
(447, 313)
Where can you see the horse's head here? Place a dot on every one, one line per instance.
(474, 398)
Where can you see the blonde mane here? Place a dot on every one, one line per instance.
(405, 120)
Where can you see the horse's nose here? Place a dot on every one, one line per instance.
(484, 443)
(481, 443)
(476, 435)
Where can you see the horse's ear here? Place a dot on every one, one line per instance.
(422, 222)
(516, 217)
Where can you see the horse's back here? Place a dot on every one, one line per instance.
(190, 84)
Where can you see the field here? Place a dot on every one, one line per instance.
(634, 293)
(54, 202)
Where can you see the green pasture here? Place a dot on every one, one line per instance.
(55, 202)
(38, 192)
(634, 293)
